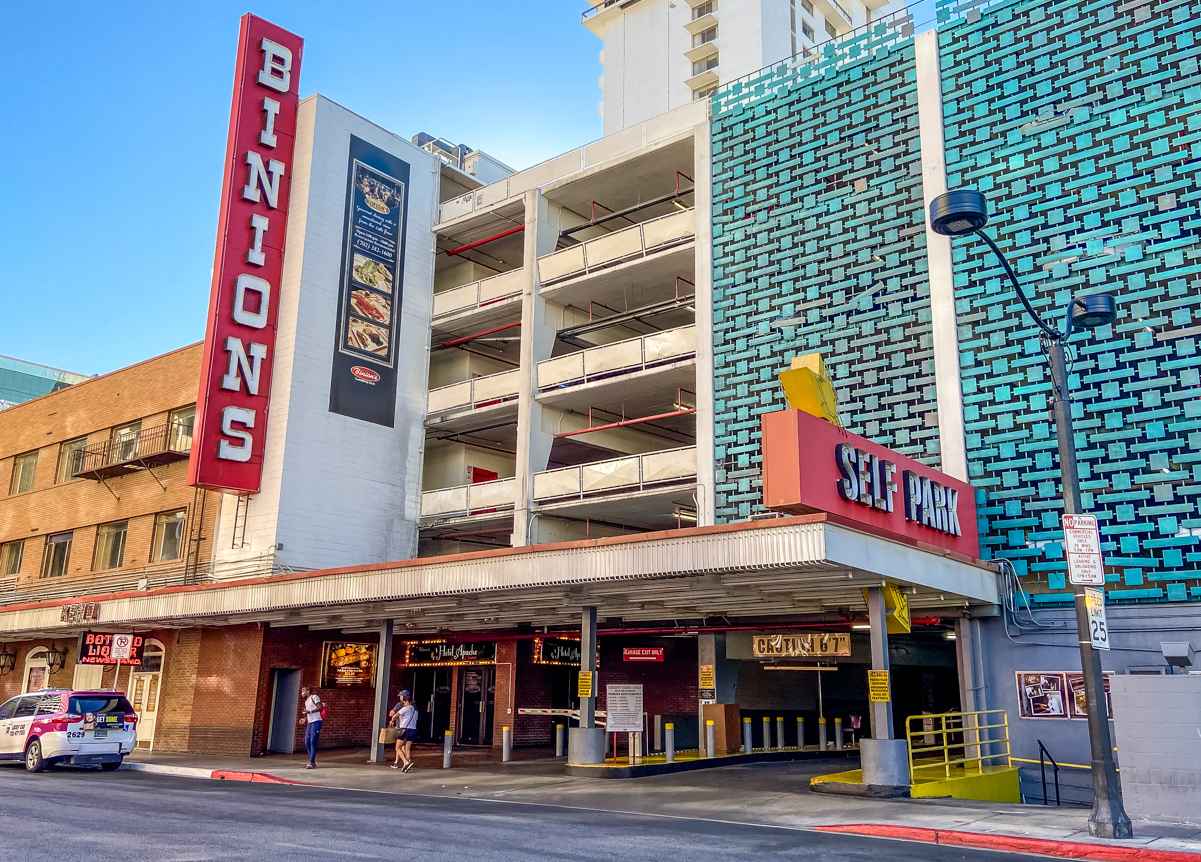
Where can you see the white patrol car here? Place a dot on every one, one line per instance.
(80, 728)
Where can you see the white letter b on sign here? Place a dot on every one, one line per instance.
(277, 66)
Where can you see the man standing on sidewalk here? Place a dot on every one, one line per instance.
(313, 717)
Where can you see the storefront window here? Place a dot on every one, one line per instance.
(168, 536)
(110, 545)
(58, 555)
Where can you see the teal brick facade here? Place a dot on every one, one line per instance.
(1082, 124)
(819, 245)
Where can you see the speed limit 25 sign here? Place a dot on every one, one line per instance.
(1098, 628)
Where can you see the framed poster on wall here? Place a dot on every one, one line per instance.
(347, 664)
(1042, 694)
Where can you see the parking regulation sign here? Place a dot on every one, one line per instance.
(1082, 546)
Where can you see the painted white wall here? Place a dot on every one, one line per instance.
(336, 490)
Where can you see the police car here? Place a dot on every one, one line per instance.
(57, 726)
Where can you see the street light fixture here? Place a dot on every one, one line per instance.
(965, 211)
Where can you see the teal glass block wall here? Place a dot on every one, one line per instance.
(819, 245)
(1082, 124)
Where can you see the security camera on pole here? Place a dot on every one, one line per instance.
(965, 211)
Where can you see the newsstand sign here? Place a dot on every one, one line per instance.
(239, 341)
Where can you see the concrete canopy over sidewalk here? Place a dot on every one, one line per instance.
(808, 564)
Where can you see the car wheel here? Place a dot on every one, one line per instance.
(34, 762)
(111, 767)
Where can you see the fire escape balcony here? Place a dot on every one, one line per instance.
(149, 448)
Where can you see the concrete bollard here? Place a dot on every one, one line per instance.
(780, 731)
(506, 744)
(669, 741)
(800, 731)
(821, 732)
(746, 735)
(767, 733)
(838, 733)
(560, 740)
(447, 747)
(710, 738)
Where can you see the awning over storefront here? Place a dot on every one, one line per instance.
(807, 564)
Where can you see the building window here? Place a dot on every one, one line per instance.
(10, 557)
(125, 441)
(70, 459)
(704, 36)
(704, 65)
(831, 30)
(168, 536)
(179, 428)
(704, 9)
(24, 466)
(58, 555)
(808, 31)
(807, 6)
(703, 94)
(110, 545)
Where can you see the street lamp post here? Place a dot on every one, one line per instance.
(965, 211)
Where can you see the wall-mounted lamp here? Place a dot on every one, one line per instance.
(55, 657)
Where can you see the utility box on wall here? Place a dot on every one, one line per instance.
(1157, 723)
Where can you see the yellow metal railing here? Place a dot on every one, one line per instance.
(951, 741)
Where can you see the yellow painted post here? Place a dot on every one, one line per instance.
(946, 754)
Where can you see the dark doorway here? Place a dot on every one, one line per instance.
(285, 705)
(431, 696)
(477, 690)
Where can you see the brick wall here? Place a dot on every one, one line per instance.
(350, 721)
(177, 691)
(504, 708)
(147, 391)
(669, 688)
(534, 687)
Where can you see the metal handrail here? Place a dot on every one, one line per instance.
(1043, 752)
(969, 725)
(147, 443)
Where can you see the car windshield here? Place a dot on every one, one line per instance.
(98, 703)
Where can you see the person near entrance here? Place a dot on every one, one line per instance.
(404, 716)
(314, 716)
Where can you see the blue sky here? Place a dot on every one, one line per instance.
(115, 122)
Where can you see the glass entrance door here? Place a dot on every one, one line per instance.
(431, 696)
(477, 691)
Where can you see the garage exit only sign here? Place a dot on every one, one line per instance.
(1082, 546)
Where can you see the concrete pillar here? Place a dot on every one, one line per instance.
(972, 696)
(702, 277)
(885, 760)
(586, 743)
(383, 677)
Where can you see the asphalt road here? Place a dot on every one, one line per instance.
(131, 816)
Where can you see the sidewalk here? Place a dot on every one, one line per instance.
(773, 794)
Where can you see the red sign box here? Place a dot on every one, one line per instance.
(810, 465)
(650, 653)
(104, 648)
(239, 341)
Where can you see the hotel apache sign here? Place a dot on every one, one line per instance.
(811, 465)
(239, 342)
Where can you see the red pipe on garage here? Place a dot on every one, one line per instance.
(459, 249)
(483, 333)
(626, 422)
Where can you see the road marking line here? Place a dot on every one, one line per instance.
(333, 850)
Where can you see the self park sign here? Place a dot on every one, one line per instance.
(239, 341)
(812, 465)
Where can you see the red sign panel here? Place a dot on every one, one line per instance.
(239, 342)
(650, 653)
(104, 648)
(810, 465)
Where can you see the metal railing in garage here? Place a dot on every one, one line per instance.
(954, 741)
(616, 474)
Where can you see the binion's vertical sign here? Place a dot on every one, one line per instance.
(239, 341)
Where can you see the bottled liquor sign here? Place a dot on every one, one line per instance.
(239, 341)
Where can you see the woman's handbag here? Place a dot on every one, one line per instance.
(387, 735)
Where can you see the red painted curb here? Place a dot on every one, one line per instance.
(1015, 843)
(253, 777)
